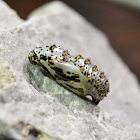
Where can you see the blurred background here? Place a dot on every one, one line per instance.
(119, 20)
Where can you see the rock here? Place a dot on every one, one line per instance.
(8, 17)
(33, 106)
(8, 78)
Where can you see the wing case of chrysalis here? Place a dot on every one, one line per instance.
(75, 73)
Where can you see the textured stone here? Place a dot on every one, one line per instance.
(8, 17)
(35, 107)
(7, 76)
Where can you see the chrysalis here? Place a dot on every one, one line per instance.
(77, 74)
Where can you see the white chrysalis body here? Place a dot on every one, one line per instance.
(77, 74)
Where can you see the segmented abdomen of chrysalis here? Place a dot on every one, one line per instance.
(75, 73)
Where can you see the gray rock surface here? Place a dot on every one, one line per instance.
(8, 17)
(32, 106)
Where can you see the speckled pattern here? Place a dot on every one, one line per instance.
(77, 74)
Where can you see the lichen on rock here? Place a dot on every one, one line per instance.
(7, 76)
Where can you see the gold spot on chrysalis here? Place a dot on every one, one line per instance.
(86, 62)
(82, 68)
(96, 82)
(90, 75)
